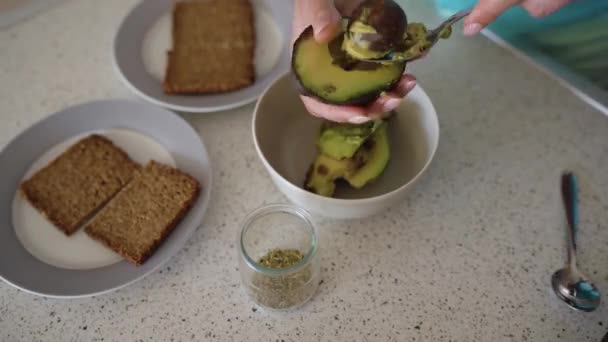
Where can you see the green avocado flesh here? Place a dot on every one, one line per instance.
(365, 165)
(341, 141)
(416, 41)
(356, 46)
(320, 76)
(359, 48)
(324, 172)
(377, 156)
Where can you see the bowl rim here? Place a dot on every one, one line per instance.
(339, 201)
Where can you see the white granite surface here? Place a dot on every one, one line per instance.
(467, 257)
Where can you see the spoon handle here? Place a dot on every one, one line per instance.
(449, 22)
(570, 198)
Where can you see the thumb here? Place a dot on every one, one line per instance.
(324, 18)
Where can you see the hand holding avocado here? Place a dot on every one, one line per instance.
(324, 20)
(335, 74)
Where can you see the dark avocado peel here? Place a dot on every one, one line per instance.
(355, 154)
(377, 27)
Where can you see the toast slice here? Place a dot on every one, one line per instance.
(72, 188)
(137, 221)
(213, 47)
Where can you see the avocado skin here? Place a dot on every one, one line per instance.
(343, 140)
(376, 153)
(324, 172)
(364, 167)
(362, 100)
(389, 21)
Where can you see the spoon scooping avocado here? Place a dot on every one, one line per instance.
(362, 37)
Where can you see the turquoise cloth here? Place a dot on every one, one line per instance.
(516, 20)
(576, 36)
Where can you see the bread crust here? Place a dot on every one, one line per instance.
(104, 227)
(226, 48)
(40, 190)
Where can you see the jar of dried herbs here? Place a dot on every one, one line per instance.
(278, 263)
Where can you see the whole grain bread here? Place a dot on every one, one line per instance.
(213, 47)
(71, 188)
(137, 221)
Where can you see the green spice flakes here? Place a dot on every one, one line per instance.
(285, 290)
(281, 258)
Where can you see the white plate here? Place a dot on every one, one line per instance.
(144, 37)
(34, 255)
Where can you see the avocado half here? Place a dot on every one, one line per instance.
(322, 75)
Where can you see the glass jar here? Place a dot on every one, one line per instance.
(272, 228)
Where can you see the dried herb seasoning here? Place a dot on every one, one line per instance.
(284, 290)
(281, 258)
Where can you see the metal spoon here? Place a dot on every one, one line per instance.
(432, 36)
(568, 283)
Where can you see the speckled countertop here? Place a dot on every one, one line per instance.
(467, 257)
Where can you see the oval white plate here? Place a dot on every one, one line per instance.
(142, 41)
(144, 132)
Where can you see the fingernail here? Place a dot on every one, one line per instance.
(357, 120)
(472, 29)
(391, 104)
(409, 85)
(323, 20)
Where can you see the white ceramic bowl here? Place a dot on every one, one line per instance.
(284, 135)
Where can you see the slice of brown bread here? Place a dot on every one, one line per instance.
(137, 221)
(213, 47)
(71, 188)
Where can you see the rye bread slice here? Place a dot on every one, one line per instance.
(137, 221)
(72, 188)
(213, 47)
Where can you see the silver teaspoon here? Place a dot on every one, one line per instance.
(568, 283)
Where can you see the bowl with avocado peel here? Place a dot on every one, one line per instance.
(343, 171)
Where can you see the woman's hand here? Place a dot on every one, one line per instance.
(325, 16)
(486, 11)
